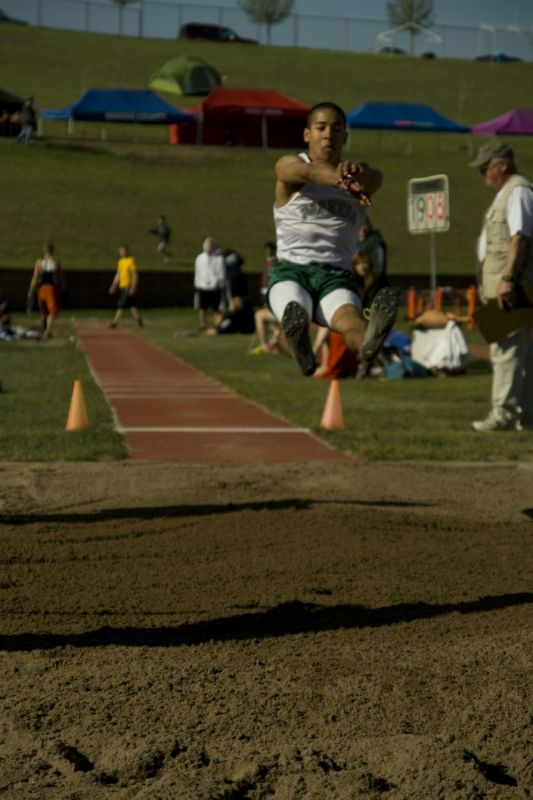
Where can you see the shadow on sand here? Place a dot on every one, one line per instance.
(200, 510)
(283, 620)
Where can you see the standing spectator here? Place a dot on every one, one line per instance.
(209, 284)
(28, 119)
(48, 279)
(126, 280)
(505, 255)
(163, 234)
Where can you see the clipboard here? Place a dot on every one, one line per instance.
(494, 323)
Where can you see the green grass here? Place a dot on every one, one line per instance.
(89, 195)
(422, 419)
(37, 380)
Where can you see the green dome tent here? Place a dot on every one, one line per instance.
(185, 75)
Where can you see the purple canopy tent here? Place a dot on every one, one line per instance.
(518, 122)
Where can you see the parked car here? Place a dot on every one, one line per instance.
(499, 57)
(5, 18)
(215, 33)
(389, 50)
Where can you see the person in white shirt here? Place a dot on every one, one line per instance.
(320, 204)
(505, 256)
(209, 283)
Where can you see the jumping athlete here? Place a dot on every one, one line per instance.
(320, 204)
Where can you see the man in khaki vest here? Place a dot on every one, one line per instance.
(505, 254)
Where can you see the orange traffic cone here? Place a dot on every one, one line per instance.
(332, 418)
(77, 415)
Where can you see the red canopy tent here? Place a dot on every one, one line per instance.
(245, 117)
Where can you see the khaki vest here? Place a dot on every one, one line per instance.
(498, 240)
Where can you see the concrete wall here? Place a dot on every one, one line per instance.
(160, 289)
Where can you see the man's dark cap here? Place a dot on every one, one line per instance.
(490, 150)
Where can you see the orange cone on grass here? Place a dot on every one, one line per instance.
(77, 415)
(332, 418)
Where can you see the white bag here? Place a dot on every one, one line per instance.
(442, 348)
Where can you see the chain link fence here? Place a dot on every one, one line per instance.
(164, 20)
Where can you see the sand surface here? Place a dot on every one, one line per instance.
(198, 632)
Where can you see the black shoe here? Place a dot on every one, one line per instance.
(383, 313)
(295, 324)
(140, 323)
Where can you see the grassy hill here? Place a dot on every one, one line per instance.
(89, 195)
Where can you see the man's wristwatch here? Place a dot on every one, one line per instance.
(508, 279)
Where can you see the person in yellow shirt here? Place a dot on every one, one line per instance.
(125, 281)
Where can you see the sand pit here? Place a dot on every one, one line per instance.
(199, 632)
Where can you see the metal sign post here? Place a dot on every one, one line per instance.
(428, 211)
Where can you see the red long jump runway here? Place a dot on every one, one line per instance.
(167, 410)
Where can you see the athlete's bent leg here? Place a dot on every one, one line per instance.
(293, 306)
(348, 321)
(340, 311)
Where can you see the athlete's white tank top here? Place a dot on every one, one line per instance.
(319, 224)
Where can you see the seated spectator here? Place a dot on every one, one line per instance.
(367, 280)
(239, 315)
(438, 342)
(5, 123)
(14, 123)
(267, 327)
(5, 316)
(8, 332)
(371, 242)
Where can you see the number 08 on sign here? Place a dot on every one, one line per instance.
(428, 208)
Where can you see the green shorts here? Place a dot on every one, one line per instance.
(318, 280)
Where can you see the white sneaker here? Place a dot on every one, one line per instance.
(496, 421)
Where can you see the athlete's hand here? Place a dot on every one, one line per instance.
(347, 172)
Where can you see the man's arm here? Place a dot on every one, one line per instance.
(34, 278)
(113, 287)
(516, 261)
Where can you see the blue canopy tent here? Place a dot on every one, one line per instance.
(402, 116)
(119, 105)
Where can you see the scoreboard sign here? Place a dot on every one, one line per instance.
(428, 209)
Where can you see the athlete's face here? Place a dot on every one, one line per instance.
(325, 135)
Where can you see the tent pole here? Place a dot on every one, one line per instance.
(70, 126)
(264, 132)
(433, 263)
(200, 129)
